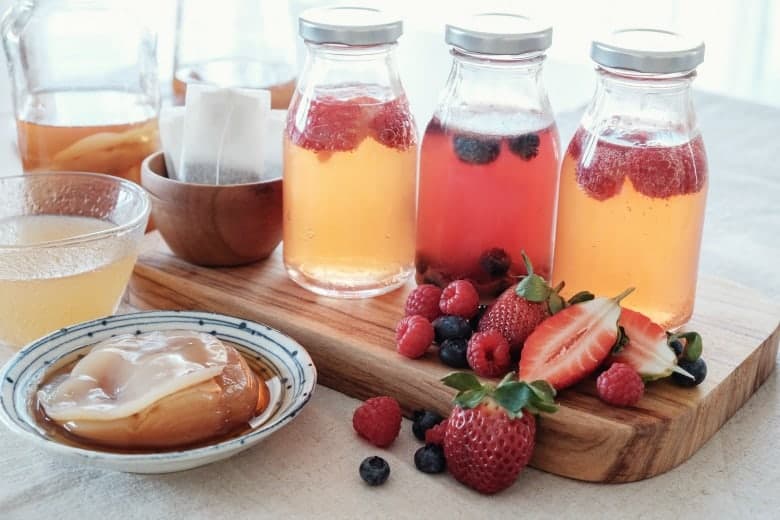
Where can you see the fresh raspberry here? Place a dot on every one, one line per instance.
(620, 385)
(435, 435)
(424, 301)
(413, 336)
(378, 420)
(600, 174)
(664, 171)
(393, 125)
(459, 298)
(488, 354)
(331, 124)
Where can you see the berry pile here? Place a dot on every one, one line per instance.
(490, 434)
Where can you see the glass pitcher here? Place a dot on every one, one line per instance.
(350, 153)
(634, 179)
(84, 85)
(235, 43)
(489, 159)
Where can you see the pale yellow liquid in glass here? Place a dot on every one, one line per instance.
(31, 307)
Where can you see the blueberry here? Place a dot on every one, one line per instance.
(698, 369)
(452, 352)
(474, 321)
(424, 420)
(474, 150)
(526, 146)
(495, 262)
(374, 470)
(451, 327)
(677, 347)
(430, 459)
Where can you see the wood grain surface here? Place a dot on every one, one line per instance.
(351, 342)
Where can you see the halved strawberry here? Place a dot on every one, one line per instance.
(647, 350)
(572, 343)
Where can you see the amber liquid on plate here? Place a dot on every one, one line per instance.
(632, 216)
(349, 214)
(101, 132)
(278, 79)
(262, 368)
(31, 307)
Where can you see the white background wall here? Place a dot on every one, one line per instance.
(742, 37)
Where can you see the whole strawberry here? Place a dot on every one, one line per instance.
(519, 309)
(491, 431)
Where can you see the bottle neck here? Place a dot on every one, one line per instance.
(632, 102)
(342, 70)
(481, 83)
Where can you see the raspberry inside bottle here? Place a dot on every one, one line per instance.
(634, 179)
(350, 153)
(489, 159)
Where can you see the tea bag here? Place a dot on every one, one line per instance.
(224, 135)
(171, 125)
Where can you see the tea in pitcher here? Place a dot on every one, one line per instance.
(89, 135)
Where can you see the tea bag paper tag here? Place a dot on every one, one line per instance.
(224, 135)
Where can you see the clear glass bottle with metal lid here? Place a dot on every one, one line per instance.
(489, 158)
(350, 152)
(634, 179)
(84, 85)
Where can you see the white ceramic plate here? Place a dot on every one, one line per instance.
(290, 390)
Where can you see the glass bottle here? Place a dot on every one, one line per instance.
(350, 152)
(634, 179)
(235, 43)
(489, 159)
(84, 86)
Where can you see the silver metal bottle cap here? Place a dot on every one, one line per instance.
(349, 26)
(648, 50)
(499, 33)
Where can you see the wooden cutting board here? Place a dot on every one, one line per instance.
(352, 344)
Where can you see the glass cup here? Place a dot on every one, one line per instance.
(68, 243)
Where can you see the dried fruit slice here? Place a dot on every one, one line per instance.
(647, 350)
(571, 344)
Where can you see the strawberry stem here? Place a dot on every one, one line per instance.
(529, 269)
(622, 295)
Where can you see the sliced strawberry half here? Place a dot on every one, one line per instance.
(571, 344)
(647, 350)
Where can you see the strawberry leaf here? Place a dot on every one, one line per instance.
(582, 296)
(533, 287)
(462, 381)
(513, 397)
(693, 344)
(541, 406)
(543, 398)
(470, 398)
(555, 302)
(543, 390)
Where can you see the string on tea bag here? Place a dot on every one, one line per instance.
(224, 135)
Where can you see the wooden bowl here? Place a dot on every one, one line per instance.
(213, 225)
